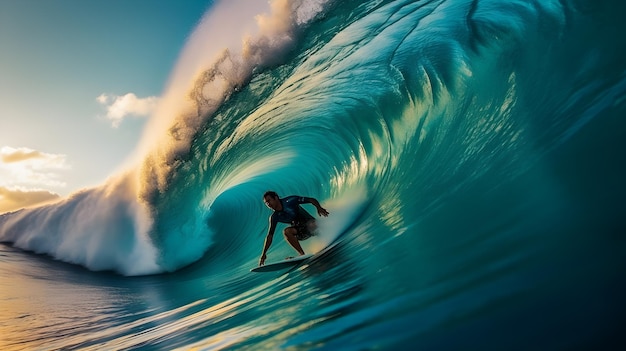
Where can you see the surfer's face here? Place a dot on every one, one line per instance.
(271, 202)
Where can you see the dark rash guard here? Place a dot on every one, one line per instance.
(292, 212)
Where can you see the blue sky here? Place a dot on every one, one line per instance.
(77, 79)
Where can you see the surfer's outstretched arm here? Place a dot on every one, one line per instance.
(268, 241)
(320, 210)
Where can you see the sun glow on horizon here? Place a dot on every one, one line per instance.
(26, 173)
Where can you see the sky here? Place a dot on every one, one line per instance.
(78, 80)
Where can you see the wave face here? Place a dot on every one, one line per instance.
(470, 153)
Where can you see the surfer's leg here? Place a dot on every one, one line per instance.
(290, 236)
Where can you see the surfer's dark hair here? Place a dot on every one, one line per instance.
(270, 193)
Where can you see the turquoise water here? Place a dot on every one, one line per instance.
(471, 154)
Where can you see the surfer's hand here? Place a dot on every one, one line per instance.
(262, 260)
(322, 212)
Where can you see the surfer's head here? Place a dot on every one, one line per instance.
(270, 198)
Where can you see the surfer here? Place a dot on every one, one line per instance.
(288, 210)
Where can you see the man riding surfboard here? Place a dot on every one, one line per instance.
(288, 210)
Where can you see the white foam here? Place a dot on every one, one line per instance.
(343, 212)
(218, 60)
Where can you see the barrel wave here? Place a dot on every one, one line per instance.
(470, 153)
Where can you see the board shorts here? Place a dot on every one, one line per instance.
(304, 231)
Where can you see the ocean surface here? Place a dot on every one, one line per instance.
(472, 155)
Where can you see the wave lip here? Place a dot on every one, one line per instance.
(211, 85)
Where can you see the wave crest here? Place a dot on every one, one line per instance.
(231, 69)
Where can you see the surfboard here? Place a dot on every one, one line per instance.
(286, 263)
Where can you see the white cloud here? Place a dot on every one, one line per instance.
(12, 199)
(103, 99)
(37, 158)
(119, 107)
(27, 167)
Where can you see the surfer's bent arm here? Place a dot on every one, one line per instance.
(320, 210)
(268, 240)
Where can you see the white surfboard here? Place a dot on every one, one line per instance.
(286, 263)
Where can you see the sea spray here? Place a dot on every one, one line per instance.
(211, 86)
(104, 228)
